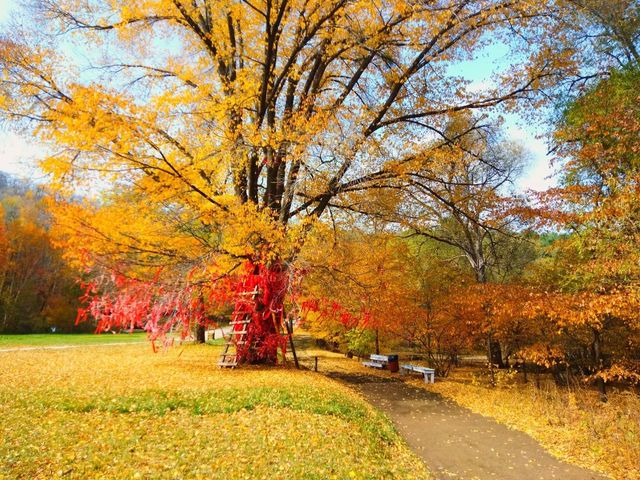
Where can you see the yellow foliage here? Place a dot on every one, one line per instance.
(124, 412)
(232, 121)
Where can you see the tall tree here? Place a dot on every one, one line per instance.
(608, 31)
(225, 129)
(467, 204)
(588, 285)
(597, 202)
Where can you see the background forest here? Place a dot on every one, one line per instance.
(38, 291)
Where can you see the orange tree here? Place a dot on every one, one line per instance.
(442, 324)
(466, 204)
(594, 272)
(37, 289)
(360, 292)
(217, 133)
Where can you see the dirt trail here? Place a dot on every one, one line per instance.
(456, 443)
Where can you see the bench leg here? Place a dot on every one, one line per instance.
(428, 377)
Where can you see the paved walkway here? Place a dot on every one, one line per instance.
(456, 443)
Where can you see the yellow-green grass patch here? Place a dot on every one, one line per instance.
(122, 412)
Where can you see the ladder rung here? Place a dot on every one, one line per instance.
(229, 354)
(238, 332)
(254, 292)
(236, 322)
(227, 364)
(239, 342)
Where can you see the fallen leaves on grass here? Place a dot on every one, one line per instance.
(124, 412)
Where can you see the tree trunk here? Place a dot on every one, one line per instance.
(200, 333)
(260, 299)
(597, 360)
(495, 352)
(377, 342)
(289, 326)
(492, 375)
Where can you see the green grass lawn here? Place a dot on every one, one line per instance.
(125, 412)
(60, 339)
(50, 339)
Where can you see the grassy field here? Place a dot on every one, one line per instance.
(76, 339)
(54, 339)
(572, 424)
(124, 412)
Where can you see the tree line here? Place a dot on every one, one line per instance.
(38, 290)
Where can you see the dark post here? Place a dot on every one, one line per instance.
(315, 367)
(293, 347)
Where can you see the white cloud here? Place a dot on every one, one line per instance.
(6, 7)
(538, 173)
(18, 156)
(479, 86)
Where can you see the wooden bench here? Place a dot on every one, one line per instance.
(429, 373)
(382, 361)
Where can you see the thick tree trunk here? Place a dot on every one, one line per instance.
(200, 333)
(260, 300)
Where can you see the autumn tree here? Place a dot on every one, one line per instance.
(604, 32)
(218, 133)
(467, 204)
(597, 202)
(37, 290)
(441, 326)
(595, 261)
(361, 292)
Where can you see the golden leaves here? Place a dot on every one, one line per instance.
(95, 418)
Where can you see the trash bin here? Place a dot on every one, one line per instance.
(393, 363)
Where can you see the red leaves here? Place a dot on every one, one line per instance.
(266, 309)
(118, 302)
(332, 311)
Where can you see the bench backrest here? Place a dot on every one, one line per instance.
(383, 358)
(424, 369)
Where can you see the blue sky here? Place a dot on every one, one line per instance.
(19, 155)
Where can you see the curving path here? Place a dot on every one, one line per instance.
(456, 443)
